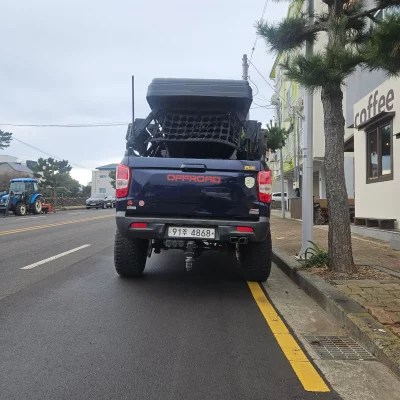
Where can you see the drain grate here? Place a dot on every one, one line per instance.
(338, 348)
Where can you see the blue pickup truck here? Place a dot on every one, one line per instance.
(194, 178)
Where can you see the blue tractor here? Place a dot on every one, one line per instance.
(23, 197)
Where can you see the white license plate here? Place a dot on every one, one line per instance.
(191, 233)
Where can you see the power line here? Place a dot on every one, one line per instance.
(91, 125)
(257, 37)
(48, 154)
(262, 76)
(263, 106)
(254, 95)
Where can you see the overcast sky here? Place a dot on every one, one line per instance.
(67, 62)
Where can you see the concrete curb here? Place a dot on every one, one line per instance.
(374, 336)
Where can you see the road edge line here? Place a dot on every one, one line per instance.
(305, 371)
(374, 336)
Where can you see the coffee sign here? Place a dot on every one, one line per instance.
(376, 105)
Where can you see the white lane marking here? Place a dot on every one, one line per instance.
(80, 212)
(24, 218)
(55, 257)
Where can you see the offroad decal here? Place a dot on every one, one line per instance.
(250, 168)
(249, 182)
(193, 178)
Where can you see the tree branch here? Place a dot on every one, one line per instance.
(368, 13)
(289, 34)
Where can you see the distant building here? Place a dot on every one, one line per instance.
(11, 159)
(101, 182)
(13, 167)
(30, 163)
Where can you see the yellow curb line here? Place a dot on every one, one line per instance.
(305, 371)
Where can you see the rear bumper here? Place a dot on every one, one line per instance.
(225, 229)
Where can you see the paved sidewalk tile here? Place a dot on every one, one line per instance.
(380, 298)
(286, 235)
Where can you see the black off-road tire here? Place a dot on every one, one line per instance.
(256, 260)
(130, 256)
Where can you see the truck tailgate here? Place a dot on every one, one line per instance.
(193, 188)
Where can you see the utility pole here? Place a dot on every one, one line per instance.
(308, 158)
(133, 101)
(283, 206)
(245, 74)
(245, 65)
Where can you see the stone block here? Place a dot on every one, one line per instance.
(380, 314)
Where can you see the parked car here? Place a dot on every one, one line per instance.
(111, 200)
(99, 200)
(278, 196)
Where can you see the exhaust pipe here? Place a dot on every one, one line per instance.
(234, 239)
(243, 240)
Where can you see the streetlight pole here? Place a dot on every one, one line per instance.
(308, 159)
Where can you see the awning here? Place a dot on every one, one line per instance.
(374, 120)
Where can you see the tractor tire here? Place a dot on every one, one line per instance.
(37, 207)
(130, 256)
(21, 209)
(256, 260)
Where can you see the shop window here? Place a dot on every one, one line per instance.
(102, 190)
(380, 153)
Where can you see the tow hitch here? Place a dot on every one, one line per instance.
(189, 255)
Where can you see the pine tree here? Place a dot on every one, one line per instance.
(52, 173)
(355, 38)
(5, 139)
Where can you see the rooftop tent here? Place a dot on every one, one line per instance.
(194, 118)
(200, 94)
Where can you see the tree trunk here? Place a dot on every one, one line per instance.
(339, 236)
(55, 197)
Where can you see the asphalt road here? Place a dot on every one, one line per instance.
(70, 328)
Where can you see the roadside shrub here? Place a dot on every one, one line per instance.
(314, 256)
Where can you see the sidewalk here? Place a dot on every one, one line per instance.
(286, 234)
(380, 297)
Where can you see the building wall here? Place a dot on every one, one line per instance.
(101, 182)
(349, 174)
(359, 85)
(377, 199)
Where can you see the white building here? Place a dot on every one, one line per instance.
(377, 152)
(101, 182)
(290, 100)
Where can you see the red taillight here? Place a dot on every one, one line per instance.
(245, 229)
(264, 180)
(138, 225)
(122, 181)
